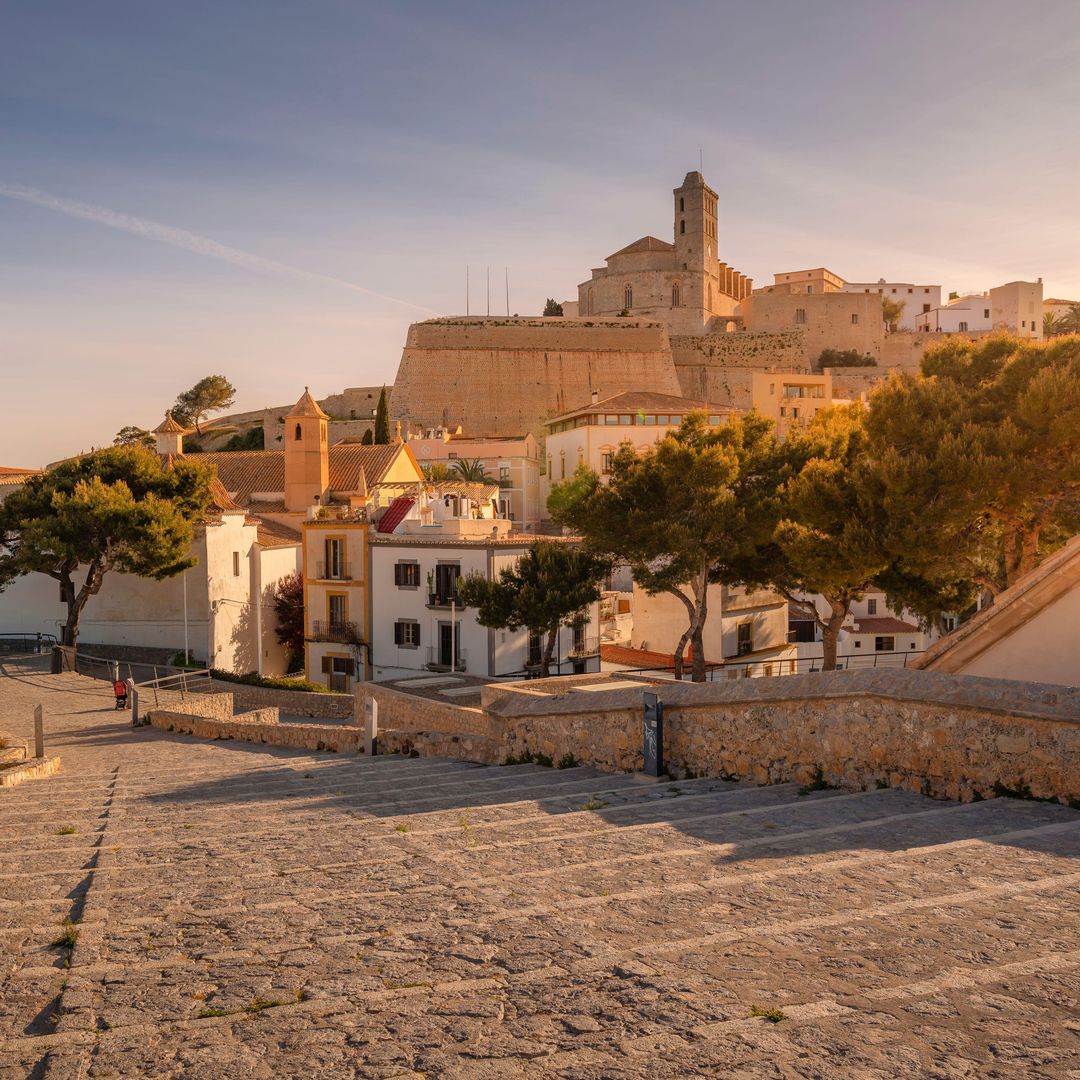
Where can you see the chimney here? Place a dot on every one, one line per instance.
(595, 396)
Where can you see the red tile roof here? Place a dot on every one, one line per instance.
(646, 243)
(645, 401)
(885, 625)
(272, 534)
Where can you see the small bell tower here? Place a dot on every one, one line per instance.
(307, 463)
(168, 437)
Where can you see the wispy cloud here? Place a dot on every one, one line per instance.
(187, 241)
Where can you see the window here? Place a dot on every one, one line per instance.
(606, 459)
(800, 315)
(579, 636)
(335, 559)
(661, 418)
(649, 421)
(772, 388)
(986, 313)
(299, 434)
(714, 419)
(910, 291)
(682, 206)
(610, 418)
(795, 413)
(925, 308)
(625, 419)
(675, 295)
(407, 575)
(536, 649)
(963, 327)
(628, 298)
(407, 634)
(783, 410)
(682, 227)
(675, 420)
(809, 290)
(446, 579)
(504, 475)
(927, 291)
(236, 563)
(562, 464)
(854, 319)
(744, 638)
(948, 623)
(335, 604)
(884, 644)
(871, 607)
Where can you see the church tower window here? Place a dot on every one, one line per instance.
(682, 226)
(682, 206)
(299, 434)
(675, 295)
(628, 298)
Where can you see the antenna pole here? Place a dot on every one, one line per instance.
(466, 288)
(489, 290)
(506, 271)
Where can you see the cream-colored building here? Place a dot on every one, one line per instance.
(917, 299)
(792, 399)
(512, 460)
(1029, 632)
(683, 284)
(591, 434)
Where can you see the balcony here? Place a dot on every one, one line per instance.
(439, 659)
(345, 633)
(331, 573)
(443, 600)
(586, 646)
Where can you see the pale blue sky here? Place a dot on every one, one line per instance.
(332, 144)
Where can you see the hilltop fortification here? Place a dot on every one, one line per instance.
(506, 375)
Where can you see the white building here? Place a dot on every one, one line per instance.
(419, 550)
(917, 299)
(1016, 307)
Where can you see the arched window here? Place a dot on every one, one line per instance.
(681, 206)
(299, 434)
(628, 298)
(682, 226)
(675, 295)
(710, 295)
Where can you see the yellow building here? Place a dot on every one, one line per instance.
(791, 399)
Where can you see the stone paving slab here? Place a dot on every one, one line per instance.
(252, 911)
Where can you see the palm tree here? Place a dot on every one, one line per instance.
(472, 472)
(1051, 324)
(1070, 322)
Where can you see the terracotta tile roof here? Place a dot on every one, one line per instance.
(646, 243)
(222, 500)
(635, 401)
(9, 470)
(885, 625)
(272, 534)
(306, 406)
(510, 540)
(245, 472)
(169, 426)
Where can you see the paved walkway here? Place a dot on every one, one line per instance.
(246, 911)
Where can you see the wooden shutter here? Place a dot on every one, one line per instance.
(397, 633)
(397, 573)
(327, 661)
(350, 668)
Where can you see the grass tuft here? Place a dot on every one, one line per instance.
(68, 936)
(66, 830)
(774, 1016)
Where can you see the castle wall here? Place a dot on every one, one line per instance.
(720, 367)
(829, 321)
(504, 376)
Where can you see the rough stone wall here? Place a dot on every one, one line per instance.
(30, 769)
(505, 376)
(720, 367)
(290, 702)
(303, 736)
(211, 706)
(946, 736)
(410, 712)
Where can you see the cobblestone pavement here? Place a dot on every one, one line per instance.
(244, 911)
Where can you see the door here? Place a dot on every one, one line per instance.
(449, 644)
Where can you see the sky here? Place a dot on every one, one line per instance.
(274, 191)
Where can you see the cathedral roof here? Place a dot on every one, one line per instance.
(306, 406)
(646, 243)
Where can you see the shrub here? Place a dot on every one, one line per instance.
(253, 679)
(839, 358)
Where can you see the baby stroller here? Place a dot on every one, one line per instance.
(121, 691)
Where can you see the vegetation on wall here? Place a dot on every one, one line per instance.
(842, 358)
(252, 439)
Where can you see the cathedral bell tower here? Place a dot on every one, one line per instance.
(307, 465)
(695, 242)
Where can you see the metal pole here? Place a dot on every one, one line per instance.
(453, 637)
(187, 654)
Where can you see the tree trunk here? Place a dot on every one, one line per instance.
(680, 649)
(830, 632)
(1027, 556)
(76, 601)
(549, 649)
(701, 592)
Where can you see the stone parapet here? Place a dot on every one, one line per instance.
(30, 769)
(302, 736)
(290, 702)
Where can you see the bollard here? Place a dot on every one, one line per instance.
(654, 735)
(371, 726)
(133, 694)
(39, 732)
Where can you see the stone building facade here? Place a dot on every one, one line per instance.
(683, 284)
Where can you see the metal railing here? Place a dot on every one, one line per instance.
(27, 642)
(588, 646)
(344, 633)
(805, 665)
(443, 599)
(438, 660)
(184, 682)
(332, 573)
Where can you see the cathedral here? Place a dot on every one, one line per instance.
(682, 284)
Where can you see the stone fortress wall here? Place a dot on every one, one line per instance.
(507, 375)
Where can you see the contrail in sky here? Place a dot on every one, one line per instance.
(188, 241)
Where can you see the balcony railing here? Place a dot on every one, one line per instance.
(438, 660)
(331, 572)
(587, 646)
(438, 599)
(346, 633)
